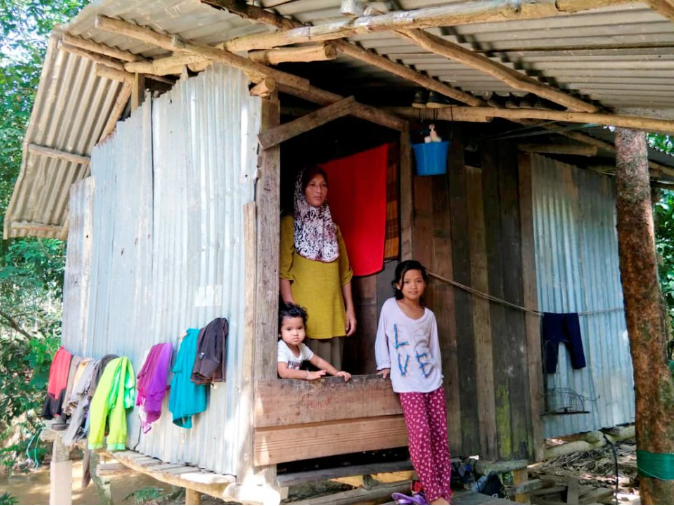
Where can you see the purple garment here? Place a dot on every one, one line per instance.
(151, 385)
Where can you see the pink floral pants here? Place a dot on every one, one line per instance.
(426, 420)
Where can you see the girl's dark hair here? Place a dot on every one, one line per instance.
(291, 311)
(403, 268)
(312, 172)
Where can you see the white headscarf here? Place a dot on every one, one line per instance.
(315, 232)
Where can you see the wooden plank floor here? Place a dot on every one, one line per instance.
(470, 497)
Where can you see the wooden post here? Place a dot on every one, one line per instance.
(654, 389)
(246, 401)
(482, 327)
(520, 476)
(530, 294)
(137, 91)
(102, 482)
(406, 194)
(267, 200)
(60, 474)
(192, 496)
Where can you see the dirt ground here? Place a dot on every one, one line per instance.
(594, 471)
(32, 487)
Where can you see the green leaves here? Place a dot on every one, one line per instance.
(31, 270)
(663, 215)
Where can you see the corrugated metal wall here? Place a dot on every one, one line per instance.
(168, 245)
(578, 271)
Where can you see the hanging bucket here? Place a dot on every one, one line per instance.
(431, 158)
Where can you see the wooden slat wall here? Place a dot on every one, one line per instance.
(467, 227)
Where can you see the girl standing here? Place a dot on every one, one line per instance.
(314, 267)
(407, 349)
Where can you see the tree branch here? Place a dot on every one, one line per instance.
(11, 322)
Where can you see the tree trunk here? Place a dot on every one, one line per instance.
(638, 269)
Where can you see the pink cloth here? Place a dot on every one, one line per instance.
(357, 196)
(426, 420)
(151, 385)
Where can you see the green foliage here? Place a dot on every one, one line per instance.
(31, 270)
(664, 227)
(145, 495)
(664, 231)
(8, 498)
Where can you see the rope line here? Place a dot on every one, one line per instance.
(510, 304)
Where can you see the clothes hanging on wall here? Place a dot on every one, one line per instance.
(98, 372)
(186, 398)
(210, 361)
(357, 195)
(115, 393)
(58, 382)
(152, 385)
(558, 328)
(78, 403)
(74, 365)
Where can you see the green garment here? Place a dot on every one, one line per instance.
(317, 286)
(115, 393)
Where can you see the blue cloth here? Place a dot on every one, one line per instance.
(562, 328)
(186, 398)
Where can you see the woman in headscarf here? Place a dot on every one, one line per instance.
(314, 270)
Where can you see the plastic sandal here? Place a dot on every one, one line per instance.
(417, 499)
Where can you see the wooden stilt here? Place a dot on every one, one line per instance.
(60, 475)
(520, 476)
(192, 496)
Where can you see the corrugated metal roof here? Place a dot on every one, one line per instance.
(617, 56)
(577, 270)
(167, 248)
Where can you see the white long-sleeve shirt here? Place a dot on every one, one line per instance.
(410, 348)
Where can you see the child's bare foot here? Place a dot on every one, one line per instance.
(440, 500)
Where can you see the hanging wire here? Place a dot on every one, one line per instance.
(34, 459)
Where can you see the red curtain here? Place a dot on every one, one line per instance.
(357, 198)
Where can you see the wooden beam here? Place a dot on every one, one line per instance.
(95, 57)
(323, 52)
(511, 77)
(57, 153)
(453, 14)
(254, 13)
(287, 83)
(96, 47)
(301, 125)
(501, 466)
(117, 111)
(114, 74)
(274, 445)
(286, 402)
(456, 113)
(656, 169)
(264, 88)
(255, 71)
(163, 66)
(481, 113)
(663, 7)
(377, 116)
(374, 495)
(560, 149)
